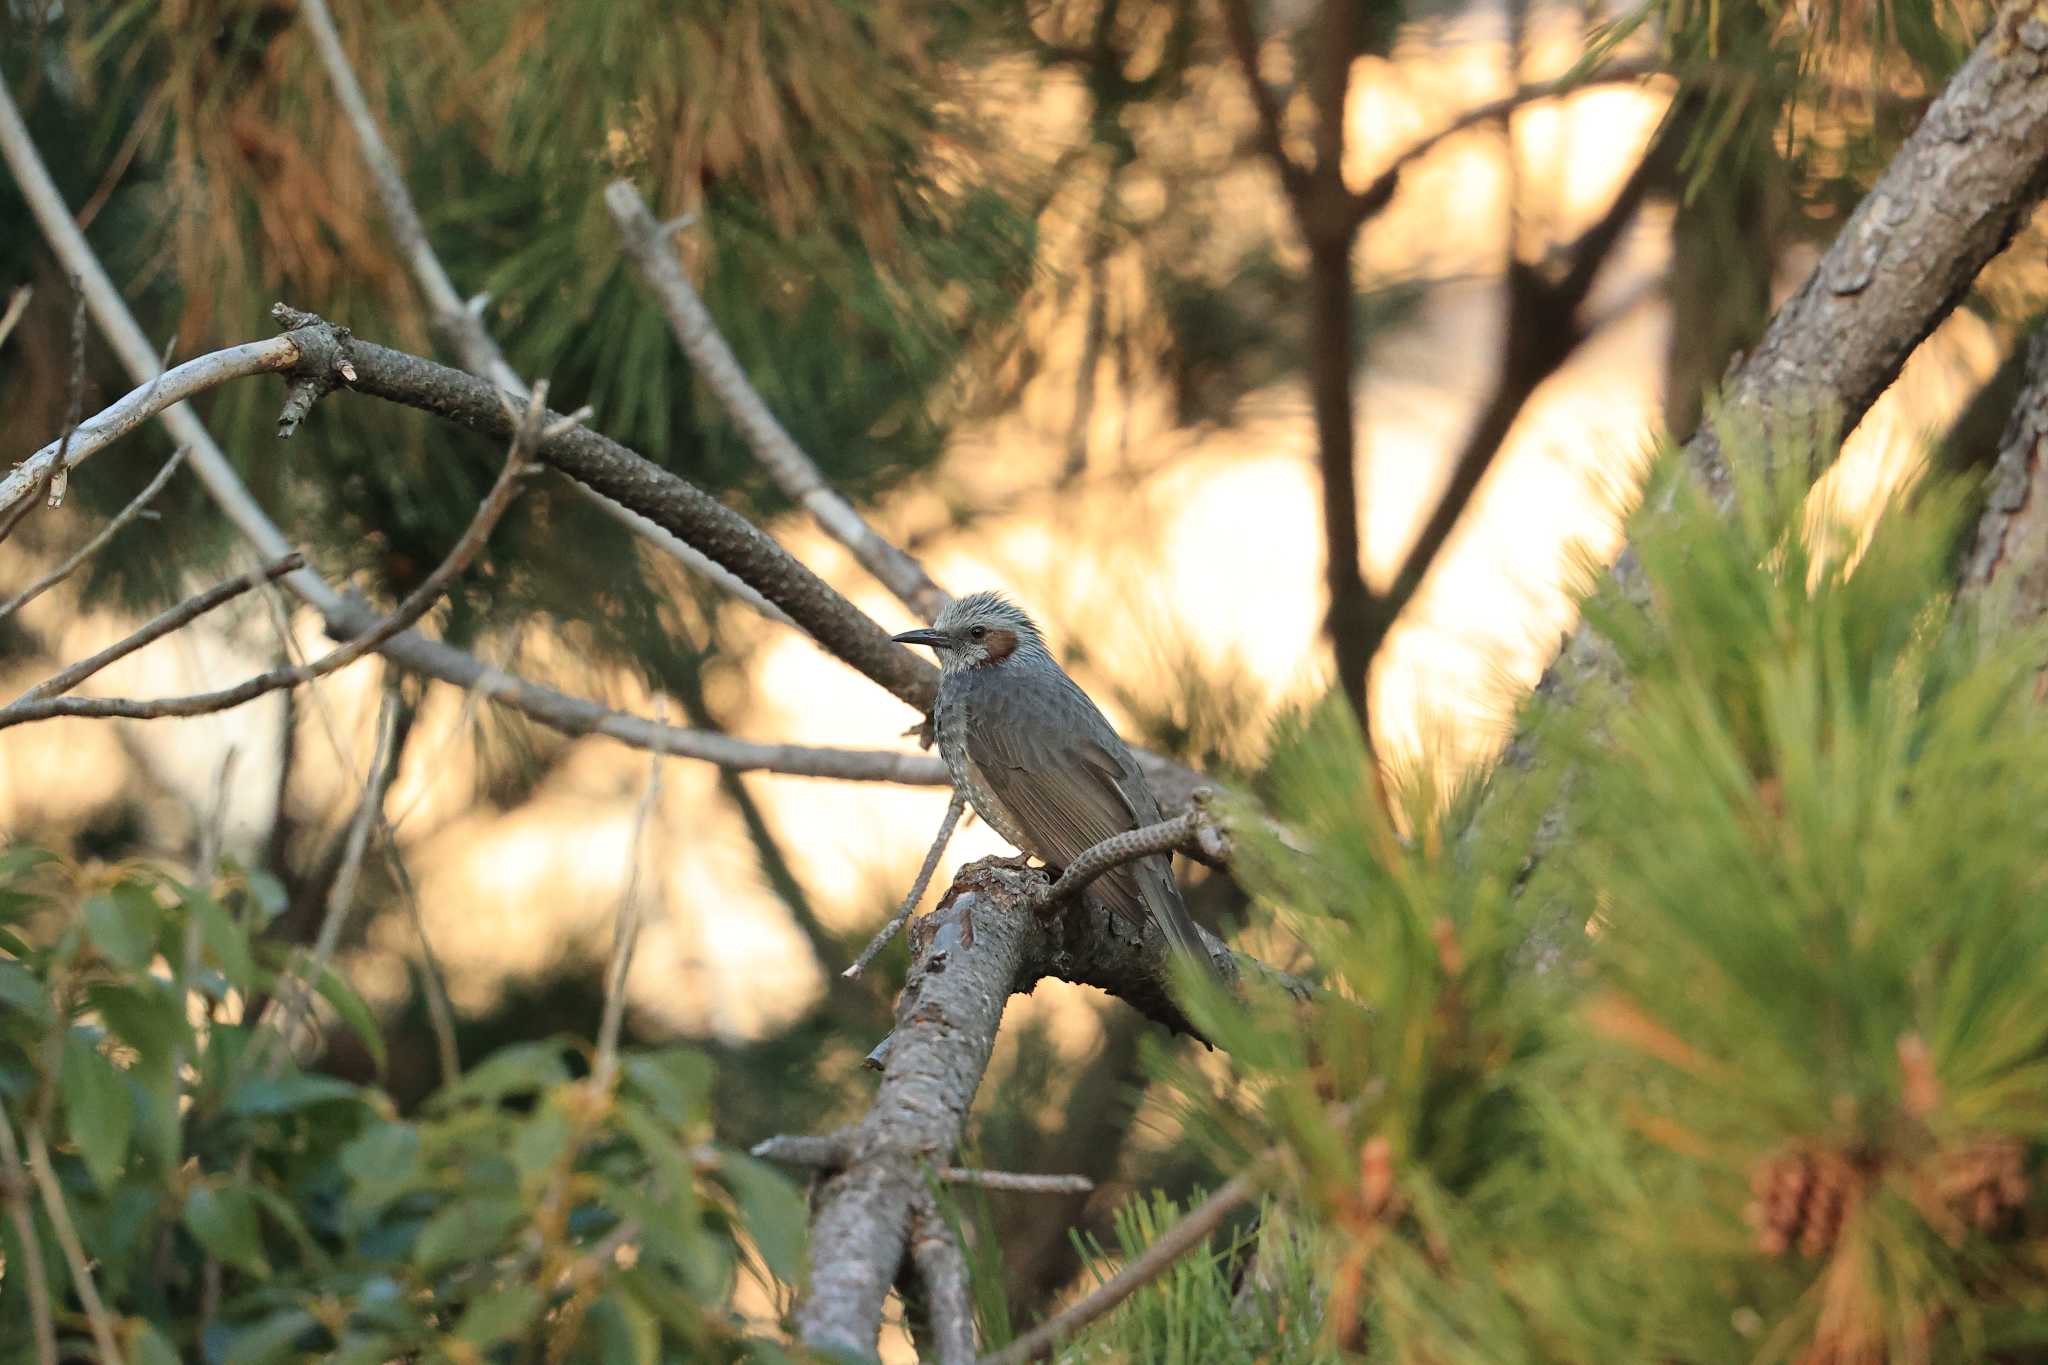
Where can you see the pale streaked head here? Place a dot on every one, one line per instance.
(980, 630)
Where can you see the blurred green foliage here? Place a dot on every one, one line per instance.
(234, 1207)
(1783, 1097)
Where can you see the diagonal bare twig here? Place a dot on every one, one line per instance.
(341, 893)
(16, 1179)
(51, 480)
(461, 323)
(917, 888)
(17, 304)
(624, 937)
(416, 605)
(1041, 1341)
(171, 619)
(646, 246)
(92, 547)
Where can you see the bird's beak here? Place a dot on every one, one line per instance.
(935, 638)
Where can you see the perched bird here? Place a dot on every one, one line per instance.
(1027, 748)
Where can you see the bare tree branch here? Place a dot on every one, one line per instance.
(17, 304)
(924, 878)
(647, 247)
(624, 937)
(1544, 330)
(2012, 534)
(416, 605)
(1951, 199)
(92, 547)
(460, 323)
(341, 893)
(151, 398)
(942, 1272)
(346, 616)
(987, 940)
(1190, 1232)
(36, 1276)
(171, 619)
(51, 479)
(96, 1314)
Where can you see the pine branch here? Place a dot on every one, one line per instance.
(459, 322)
(1951, 199)
(696, 332)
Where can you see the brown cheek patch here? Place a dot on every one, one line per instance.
(1000, 644)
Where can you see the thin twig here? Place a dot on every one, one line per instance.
(74, 1251)
(624, 937)
(164, 623)
(440, 1012)
(23, 1218)
(917, 889)
(1041, 1341)
(942, 1266)
(51, 480)
(1017, 1182)
(341, 892)
(1165, 837)
(416, 604)
(828, 1151)
(17, 304)
(461, 324)
(559, 711)
(92, 547)
(646, 246)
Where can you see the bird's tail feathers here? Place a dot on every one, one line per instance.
(1163, 901)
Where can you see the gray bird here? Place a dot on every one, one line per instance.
(1027, 748)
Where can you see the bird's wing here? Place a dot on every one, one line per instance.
(1068, 781)
(1038, 748)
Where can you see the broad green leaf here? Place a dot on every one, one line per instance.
(676, 1082)
(538, 1143)
(223, 1218)
(521, 1069)
(22, 859)
(772, 1209)
(274, 1338)
(144, 1012)
(21, 991)
(660, 1144)
(381, 1165)
(364, 1350)
(500, 1314)
(223, 940)
(145, 1345)
(357, 1015)
(623, 1332)
(123, 923)
(282, 1094)
(285, 1215)
(97, 1113)
(267, 892)
(470, 1229)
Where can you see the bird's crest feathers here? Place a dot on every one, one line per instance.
(989, 609)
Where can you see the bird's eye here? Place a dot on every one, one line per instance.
(978, 632)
